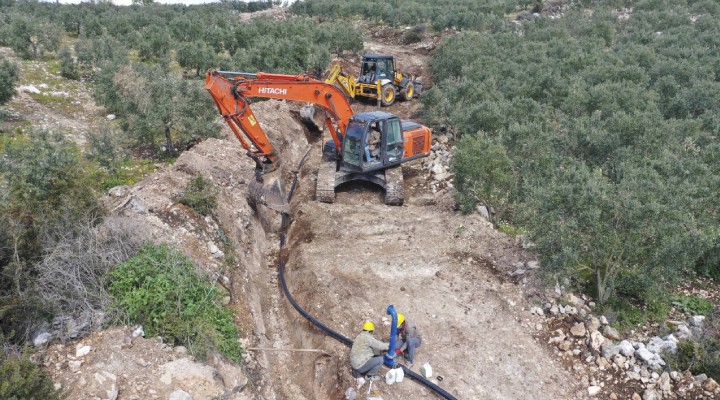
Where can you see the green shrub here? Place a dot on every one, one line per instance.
(200, 194)
(160, 289)
(701, 357)
(693, 304)
(411, 36)
(489, 177)
(67, 64)
(45, 198)
(701, 354)
(8, 79)
(623, 313)
(510, 229)
(21, 379)
(105, 146)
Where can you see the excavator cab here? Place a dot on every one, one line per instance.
(372, 141)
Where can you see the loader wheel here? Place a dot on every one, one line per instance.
(409, 91)
(388, 95)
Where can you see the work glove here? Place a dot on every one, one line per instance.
(398, 351)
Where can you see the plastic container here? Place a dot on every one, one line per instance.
(390, 376)
(399, 375)
(426, 370)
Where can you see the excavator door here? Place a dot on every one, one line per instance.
(394, 142)
(372, 141)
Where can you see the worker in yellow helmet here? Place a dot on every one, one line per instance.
(366, 353)
(408, 339)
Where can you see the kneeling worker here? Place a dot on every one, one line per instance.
(366, 353)
(408, 340)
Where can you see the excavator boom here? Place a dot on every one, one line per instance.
(231, 91)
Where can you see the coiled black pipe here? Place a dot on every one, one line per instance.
(344, 340)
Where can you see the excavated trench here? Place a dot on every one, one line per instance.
(347, 261)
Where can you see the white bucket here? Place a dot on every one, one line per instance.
(399, 375)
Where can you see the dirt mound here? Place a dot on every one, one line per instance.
(117, 363)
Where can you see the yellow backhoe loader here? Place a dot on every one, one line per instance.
(378, 79)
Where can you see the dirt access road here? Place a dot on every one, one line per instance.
(349, 260)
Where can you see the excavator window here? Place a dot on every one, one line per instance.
(395, 145)
(353, 143)
(373, 148)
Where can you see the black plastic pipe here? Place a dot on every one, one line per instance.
(342, 339)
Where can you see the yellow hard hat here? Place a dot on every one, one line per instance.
(368, 326)
(401, 319)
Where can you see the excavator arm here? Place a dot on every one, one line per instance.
(232, 90)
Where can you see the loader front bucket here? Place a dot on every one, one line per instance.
(269, 190)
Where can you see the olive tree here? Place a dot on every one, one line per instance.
(8, 79)
(32, 38)
(158, 103)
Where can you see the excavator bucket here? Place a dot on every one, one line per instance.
(269, 190)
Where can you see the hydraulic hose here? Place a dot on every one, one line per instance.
(342, 339)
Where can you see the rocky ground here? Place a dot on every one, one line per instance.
(120, 363)
(46, 100)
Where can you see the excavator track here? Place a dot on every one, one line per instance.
(394, 188)
(325, 190)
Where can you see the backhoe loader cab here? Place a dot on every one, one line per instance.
(376, 67)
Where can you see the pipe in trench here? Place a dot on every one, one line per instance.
(342, 339)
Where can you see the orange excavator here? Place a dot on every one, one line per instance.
(366, 146)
